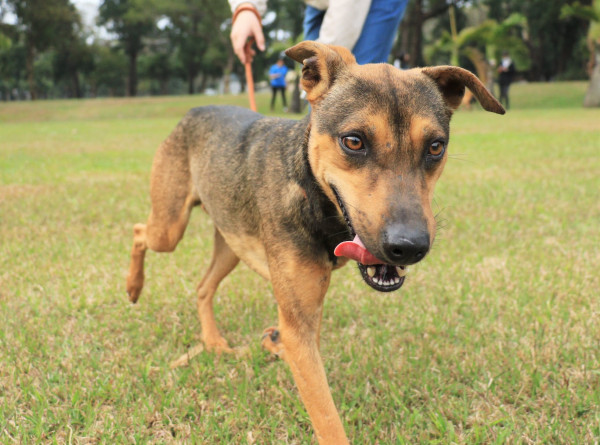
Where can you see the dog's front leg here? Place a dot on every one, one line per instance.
(300, 287)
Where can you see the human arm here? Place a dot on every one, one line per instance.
(343, 22)
(246, 24)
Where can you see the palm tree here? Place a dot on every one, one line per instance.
(481, 44)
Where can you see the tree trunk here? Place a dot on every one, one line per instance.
(93, 88)
(29, 60)
(242, 76)
(132, 80)
(404, 39)
(296, 103)
(227, 73)
(482, 67)
(480, 63)
(416, 17)
(203, 83)
(76, 86)
(454, 33)
(416, 25)
(191, 75)
(592, 96)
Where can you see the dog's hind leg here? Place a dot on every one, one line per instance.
(173, 198)
(223, 262)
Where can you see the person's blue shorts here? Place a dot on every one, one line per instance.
(378, 33)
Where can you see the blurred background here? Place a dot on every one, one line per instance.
(95, 48)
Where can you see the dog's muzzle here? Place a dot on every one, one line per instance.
(378, 274)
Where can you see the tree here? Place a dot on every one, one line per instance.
(484, 42)
(196, 29)
(131, 20)
(110, 71)
(5, 42)
(411, 29)
(43, 23)
(591, 13)
(552, 42)
(184, 31)
(158, 67)
(12, 66)
(72, 58)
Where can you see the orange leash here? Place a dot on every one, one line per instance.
(249, 52)
(249, 78)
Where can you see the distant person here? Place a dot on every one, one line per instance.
(506, 72)
(402, 61)
(366, 27)
(277, 75)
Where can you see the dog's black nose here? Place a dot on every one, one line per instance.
(404, 246)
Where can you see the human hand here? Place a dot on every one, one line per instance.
(246, 25)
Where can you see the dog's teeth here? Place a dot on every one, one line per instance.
(386, 283)
(396, 280)
(371, 271)
(402, 271)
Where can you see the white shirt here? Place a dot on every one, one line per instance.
(342, 24)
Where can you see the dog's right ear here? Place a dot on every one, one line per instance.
(322, 66)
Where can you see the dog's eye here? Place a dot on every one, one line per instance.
(353, 143)
(436, 149)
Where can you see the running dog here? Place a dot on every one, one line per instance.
(295, 200)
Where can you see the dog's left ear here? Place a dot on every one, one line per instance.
(452, 80)
(323, 64)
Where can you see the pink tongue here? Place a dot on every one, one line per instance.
(356, 250)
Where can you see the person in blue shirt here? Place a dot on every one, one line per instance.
(277, 75)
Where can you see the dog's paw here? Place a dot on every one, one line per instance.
(271, 341)
(134, 288)
(218, 345)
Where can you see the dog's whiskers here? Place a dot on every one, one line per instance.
(439, 212)
(459, 157)
(338, 233)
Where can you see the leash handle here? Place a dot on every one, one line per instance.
(249, 78)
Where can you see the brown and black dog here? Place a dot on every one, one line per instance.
(297, 199)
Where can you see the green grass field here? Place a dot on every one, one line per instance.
(494, 338)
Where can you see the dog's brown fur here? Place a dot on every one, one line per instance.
(279, 192)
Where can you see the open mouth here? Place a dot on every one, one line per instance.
(379, 275)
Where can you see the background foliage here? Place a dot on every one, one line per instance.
(182, 46)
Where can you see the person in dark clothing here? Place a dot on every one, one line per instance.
(506, 72)
(277, 74)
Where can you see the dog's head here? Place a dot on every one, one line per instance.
(378, 144)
